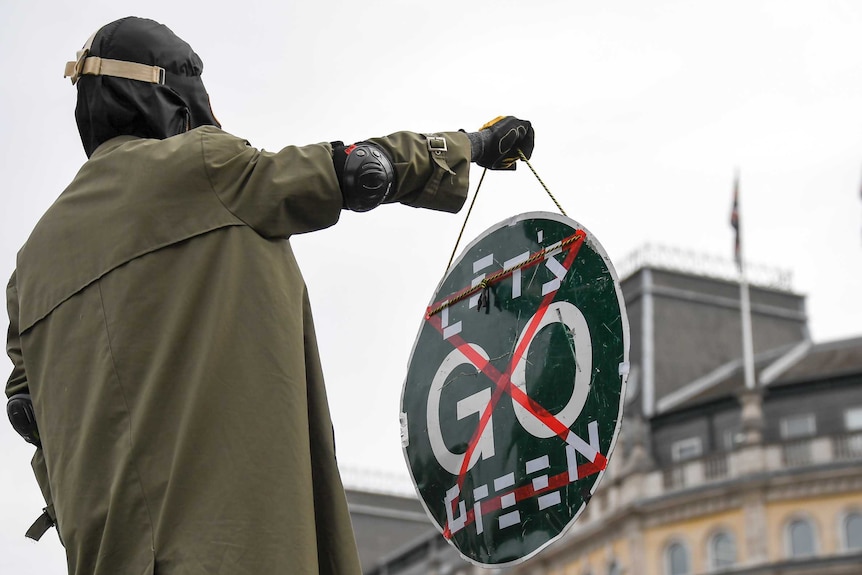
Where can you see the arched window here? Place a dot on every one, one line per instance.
(614, 568)
(676, 559)
(722, 550)
(853, 531)
(800, 538)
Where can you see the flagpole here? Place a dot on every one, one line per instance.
(747, 343)
(744, 298)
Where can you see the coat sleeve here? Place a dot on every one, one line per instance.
(17, 382)
(436, 179)
(277, 194)
(295, 190)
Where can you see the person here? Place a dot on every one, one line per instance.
(164, 355)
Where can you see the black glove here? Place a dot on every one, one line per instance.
(495, 146)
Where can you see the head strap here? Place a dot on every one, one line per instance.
(95, 66)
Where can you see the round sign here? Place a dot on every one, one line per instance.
(512, 402)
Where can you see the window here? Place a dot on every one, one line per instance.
(797, 426)
(853, 531)
(800, 538)
(731, 438)
(614, 569)
(676, 559)
(853, 419)
(722, 550)
(687, 448)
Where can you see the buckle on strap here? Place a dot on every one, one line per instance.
(437, 144)
(437, 147)
(76, 68)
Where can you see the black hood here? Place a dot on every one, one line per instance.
(109, 106)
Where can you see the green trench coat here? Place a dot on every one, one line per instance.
(162, 326)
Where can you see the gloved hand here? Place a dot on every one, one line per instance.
(495, 146)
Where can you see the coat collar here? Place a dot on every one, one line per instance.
(112, 145)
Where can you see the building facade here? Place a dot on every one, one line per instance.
(713, 474)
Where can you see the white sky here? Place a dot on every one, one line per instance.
(642, 112)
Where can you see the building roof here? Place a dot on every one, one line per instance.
(824, 361)
(786, 365)
(383, 523)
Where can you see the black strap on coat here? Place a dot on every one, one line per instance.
(42, 524)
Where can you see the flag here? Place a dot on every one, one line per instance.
(734, 223)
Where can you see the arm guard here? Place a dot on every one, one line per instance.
(366, 175)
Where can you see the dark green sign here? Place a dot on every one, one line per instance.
(513, 396)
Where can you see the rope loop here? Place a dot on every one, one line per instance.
(476, 195)
(532, 169)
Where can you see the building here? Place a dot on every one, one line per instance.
(384, 523)
(711, 475)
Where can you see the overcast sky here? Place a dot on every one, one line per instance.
(642, 110)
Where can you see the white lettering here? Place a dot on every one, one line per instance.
(455, 524)
(589, 450)
(449, 330)
(479, 493)
(559, 272)
(449, 461)
(573, 320)
(516, 274)
(477, 403)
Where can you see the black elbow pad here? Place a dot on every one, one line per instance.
(19, 408)
(366, 175)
